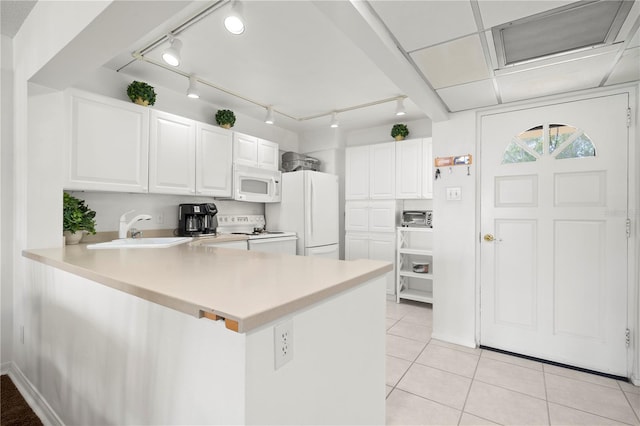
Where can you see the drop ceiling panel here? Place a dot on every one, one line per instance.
(559, 78)
(634, 14)
(456, 62)
(418, 24)
(496, 12)
(627, 69)
(468, 96)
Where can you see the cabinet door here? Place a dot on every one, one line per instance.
(382, 216)
(245, 150)
(357, 173)
(213, 161)
(268, 155)
(409, 167)
(383, 247)
(108, 144)
(356, 246)
(382, 171)
(427, 171)
(171, 154)
(356, 216)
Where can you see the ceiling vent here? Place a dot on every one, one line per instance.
(579, 25)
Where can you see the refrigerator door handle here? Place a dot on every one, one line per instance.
(311, 206)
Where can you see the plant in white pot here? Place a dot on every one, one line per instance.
(77, 219)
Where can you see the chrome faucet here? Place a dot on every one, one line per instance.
(124, 225)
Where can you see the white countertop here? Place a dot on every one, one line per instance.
(245, 288)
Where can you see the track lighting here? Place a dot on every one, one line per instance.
(234, 22)
(172, 55)
(334, 120)
(400, 107)
(193, 91)
(269, 118)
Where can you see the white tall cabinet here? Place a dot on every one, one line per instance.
(370, 172)
(414, 169)
(107, 144)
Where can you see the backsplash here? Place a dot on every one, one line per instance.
(163, 209)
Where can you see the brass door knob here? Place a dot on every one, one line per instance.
(488, 238)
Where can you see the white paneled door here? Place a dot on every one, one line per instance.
(553, 232)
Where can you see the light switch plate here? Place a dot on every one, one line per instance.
(454, 193)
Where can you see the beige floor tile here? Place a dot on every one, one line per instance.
(406, 409)
(634, 400)
(389, 389)
(511, 376)
(579, 375)
(475, 351)
(595, 399)
(396, 367)
(399, 310)
(401, 347)
(504, 406)
(522, 362)
(390, 323)
(471, 420)
(421, 317)
(629, 387)
(450, 360)
(411, 331)
(561, 415)
(436, 385)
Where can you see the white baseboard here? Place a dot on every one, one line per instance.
(30, 394)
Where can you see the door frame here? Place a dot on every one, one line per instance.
(633, 205)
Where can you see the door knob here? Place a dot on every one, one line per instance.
(488, 238)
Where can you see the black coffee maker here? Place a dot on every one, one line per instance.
(197, 219)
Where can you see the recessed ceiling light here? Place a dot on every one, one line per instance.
(172, 55)
(234, 22)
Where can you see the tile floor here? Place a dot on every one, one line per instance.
(430, 382)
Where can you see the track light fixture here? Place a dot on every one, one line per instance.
(193, 91)
(400, 107)
(269, 118)
(334, 120)
(234, 22)
(172, 55)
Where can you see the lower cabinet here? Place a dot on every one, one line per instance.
(375, 246)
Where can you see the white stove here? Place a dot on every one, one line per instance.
(258, 239)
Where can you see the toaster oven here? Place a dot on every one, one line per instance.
(417, 218)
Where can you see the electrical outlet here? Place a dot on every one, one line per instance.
(283, 343)
(160, 218)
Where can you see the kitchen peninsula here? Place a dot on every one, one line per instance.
(187, 335)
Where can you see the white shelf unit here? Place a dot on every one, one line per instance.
(414, 245)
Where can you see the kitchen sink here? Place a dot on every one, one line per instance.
(140, 243)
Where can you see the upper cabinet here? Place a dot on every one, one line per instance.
(370, 172)
(255, 152)
(213, 161)
(107, 144)
(414, 169)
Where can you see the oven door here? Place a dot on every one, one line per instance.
(256, 185)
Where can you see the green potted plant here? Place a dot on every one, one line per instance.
(225, 118)
(399, 131)
(77, 219)
(141, 93)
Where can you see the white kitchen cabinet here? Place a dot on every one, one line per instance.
(376, 246)
(172, 153)
(213, 161)
(107, 144)
(414, 169)
(371, 216)
(415, 246)
(370, 172)
(255, 152)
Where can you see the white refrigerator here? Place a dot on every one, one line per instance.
(309, 206)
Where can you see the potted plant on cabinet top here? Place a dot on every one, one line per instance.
(141, 93)
(225, 118)
(77, 219)
(399, 131)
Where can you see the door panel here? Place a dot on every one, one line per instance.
(321, 190)
(553, 277)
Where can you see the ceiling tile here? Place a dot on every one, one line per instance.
(456, 62)
(627, 69)
(635, 41)
(496, 12)
(468, 96)
(558, 78)
(418, 24)
(634, 14)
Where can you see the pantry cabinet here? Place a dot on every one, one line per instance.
(375, 246)
(414, 169)
(370, 172)
(255, 152)
(107, 144)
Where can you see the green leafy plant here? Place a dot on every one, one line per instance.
(225, 118)
(76, 216)
(141, 93)
(399, 131)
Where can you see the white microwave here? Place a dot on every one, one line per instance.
(256, 185)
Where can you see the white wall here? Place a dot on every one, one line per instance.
(454, 308)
